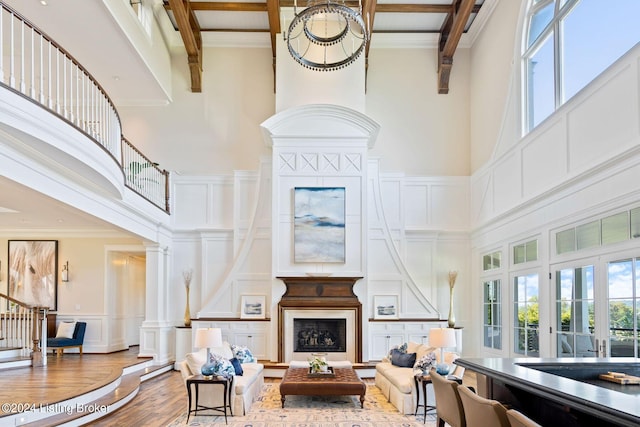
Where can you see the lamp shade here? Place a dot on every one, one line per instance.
(442, 337)
(208, 337)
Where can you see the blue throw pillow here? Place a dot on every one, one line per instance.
(403, 360)
(221, 366)
(402, 348)
(237, 366)
(243, 354)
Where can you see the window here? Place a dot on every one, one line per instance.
(492, 319)
(526, 315)
(491, 261)
(525, 252)
(568, 43)
(612, 229)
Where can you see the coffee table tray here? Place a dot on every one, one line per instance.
(328, 374)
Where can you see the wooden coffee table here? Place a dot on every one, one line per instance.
(297, 381)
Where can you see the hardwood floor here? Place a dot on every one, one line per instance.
(159, 400)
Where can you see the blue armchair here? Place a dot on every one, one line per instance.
(58, 344)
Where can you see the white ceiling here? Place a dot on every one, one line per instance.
(23, 211)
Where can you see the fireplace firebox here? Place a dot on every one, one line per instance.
(319, 335)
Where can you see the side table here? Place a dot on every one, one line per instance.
(196, 380)
(423, 380)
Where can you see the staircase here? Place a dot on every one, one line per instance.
(22, 333)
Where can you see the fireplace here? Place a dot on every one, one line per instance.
(319, 315)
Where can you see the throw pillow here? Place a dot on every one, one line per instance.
(243, 354)
(237, 366)
(403, 360)
(224, 351)
(402, 348)
(66, 329)
(221, 366)
(196, 360)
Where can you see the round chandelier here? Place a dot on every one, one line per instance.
(326, 36)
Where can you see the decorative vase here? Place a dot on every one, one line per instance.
(187, 312)
(451, 320)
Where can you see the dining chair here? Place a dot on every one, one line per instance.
(448, 403)
(518, 419)
(482, 412)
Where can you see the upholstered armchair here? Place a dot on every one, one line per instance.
(65, 339)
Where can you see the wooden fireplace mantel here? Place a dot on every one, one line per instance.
(319, 291)
(327, 293)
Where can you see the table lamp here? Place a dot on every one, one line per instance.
(442, 338)
(207, 338)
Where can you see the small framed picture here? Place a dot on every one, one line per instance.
(385, 307)
(252, 307)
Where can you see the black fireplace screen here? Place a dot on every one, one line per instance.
(314, 335)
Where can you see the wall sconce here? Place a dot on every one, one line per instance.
(65, 272)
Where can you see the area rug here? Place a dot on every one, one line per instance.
(313, 411)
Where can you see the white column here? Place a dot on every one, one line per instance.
(157, 333)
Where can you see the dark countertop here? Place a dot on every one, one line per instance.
(569, 382)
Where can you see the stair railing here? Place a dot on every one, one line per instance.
(22, 328)
(33, 65)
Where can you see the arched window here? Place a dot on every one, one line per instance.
(567, 44)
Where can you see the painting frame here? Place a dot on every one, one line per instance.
(252, 307)
(319, 215)
(385, 307)
(32, 272)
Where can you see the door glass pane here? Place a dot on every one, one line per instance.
(526, 315)
(623, 301)
(575, 310)
(492, 318)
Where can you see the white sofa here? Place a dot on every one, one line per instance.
(397, 383)
(244, 390)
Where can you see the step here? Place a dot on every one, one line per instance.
(79, 413)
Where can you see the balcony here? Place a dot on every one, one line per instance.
(35, 68)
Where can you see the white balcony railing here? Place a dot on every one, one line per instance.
(33, 65)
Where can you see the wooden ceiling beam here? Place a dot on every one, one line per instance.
(368, 15)
(231, 6)
(192, 39)
(450, 34)
(273, 11)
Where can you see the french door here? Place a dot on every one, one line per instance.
(597, 307)
(575, 309)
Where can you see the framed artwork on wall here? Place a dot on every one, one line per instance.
(252, 307)
(385, 307)
(33, 272)
(318, 230)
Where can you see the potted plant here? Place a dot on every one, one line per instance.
(318, 364)
(426, 362)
